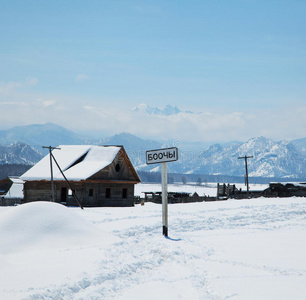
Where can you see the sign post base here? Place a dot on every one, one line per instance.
(165, 231)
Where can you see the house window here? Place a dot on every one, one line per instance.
(90, 193)
(108, 193)
(117, 167)
(124, 193)
(71, 192)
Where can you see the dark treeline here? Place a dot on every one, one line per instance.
(13, 170)
(155, 177)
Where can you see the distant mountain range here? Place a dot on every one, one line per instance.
(19, 153)
(38, 135)
(284, 159)
(300, 144)
(168, 110)
(270, 159)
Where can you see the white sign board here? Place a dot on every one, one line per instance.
(161, 155)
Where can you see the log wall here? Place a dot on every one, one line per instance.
(89, 193)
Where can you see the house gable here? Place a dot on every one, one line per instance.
(121, 169)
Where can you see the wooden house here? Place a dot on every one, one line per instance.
(97, 176)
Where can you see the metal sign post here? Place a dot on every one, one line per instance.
(164, 197)
(163, 156)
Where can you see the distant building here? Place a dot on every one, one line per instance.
(286, 189)
(11, 191)
(98, 175)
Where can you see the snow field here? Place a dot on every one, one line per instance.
(236, 249)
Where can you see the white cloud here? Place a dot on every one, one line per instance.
(31, 81)
(47, 103)
(82, 77)
(88, 107)
(113, 117)
(14, 103)
(7, 88)
(215, 126)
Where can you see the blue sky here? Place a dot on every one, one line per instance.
(85, 64)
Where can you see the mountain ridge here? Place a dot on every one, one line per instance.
(38, 135)
(19, 153)
(270, 159)
(168, 110)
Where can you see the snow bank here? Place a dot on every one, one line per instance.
(42, 224)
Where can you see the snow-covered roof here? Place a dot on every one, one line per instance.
(78, 162)
(16, 189)
(15, 179)
(297, 184)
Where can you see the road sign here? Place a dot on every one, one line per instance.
(161, 155)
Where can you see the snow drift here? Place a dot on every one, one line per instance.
(43, 224)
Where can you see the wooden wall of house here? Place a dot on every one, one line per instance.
(10, 201)
(93, 194)
(37, 191)
(5, 185)
(119, 169)
(89, 193)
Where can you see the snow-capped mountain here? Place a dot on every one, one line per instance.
(300, 144)
(19, 153)
(168, 110)
(270, 159)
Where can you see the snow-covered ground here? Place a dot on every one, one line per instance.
(235, 249)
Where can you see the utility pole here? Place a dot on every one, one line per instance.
(246, 171)
(51, 169)
(73, 193)
(52, 183)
